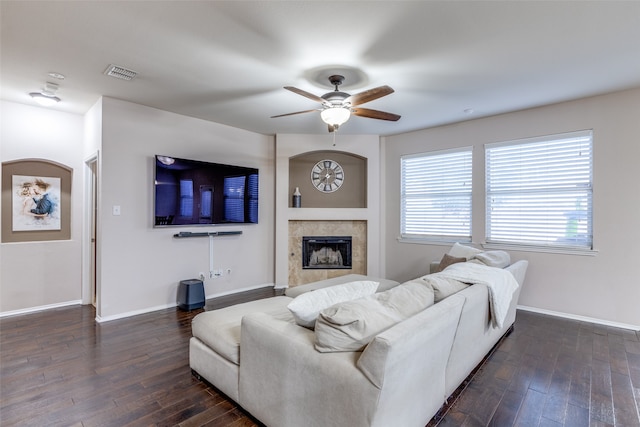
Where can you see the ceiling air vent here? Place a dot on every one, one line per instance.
(120, 72)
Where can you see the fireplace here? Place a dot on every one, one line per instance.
(326, 252)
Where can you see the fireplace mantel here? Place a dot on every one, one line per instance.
(321, 214)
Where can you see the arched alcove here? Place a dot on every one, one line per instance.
(352, 193)
(28, 224)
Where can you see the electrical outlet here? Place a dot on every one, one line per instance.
(228, 271)
(201, 276)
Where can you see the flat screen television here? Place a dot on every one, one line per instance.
(193, 192)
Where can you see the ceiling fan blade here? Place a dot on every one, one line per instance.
(306, 94)
(369, 95)
(291, 114)
(375, 114)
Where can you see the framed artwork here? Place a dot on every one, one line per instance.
(36, 201)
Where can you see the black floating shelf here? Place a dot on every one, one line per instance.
(184, 234)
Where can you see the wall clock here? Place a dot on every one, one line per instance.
(327, 176)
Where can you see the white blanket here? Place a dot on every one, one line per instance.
(500, 282)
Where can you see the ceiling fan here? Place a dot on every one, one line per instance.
(338, 106)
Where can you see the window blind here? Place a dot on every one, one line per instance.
(539, 191)
(436, 195)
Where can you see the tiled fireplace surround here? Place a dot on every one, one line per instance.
(298, 229)
(363, 224)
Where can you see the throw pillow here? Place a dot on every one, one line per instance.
(499, 259)
(447, 260)
(458, 251)
(351, 325)
(306, 307)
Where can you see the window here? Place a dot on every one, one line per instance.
(435, 195)
(539, 191)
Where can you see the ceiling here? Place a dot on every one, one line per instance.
(227, 61)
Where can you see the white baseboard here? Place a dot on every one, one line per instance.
(100, 319)
(580, 318)
(40, 308)
(237, 291)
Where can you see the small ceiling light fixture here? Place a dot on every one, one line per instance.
(47, 97)
(55, 75)
(335, 116)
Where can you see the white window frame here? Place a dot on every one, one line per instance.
(443, 224)
(553, 172)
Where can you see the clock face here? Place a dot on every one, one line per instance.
(327, 176)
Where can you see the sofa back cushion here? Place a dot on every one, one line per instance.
(442, 287)
(351, 325)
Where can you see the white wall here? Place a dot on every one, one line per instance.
(141, 267)
(603, 287)
(36, 275)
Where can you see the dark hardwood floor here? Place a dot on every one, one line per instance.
(60, 368)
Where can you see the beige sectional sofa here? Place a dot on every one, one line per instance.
(279, 371)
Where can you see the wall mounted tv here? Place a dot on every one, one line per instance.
(193, 192)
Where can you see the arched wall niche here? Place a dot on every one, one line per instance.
(14, 174)
(353, 192)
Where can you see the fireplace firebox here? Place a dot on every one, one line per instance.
(326, 252)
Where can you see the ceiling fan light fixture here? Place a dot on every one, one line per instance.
(335, 116)
(337, 106)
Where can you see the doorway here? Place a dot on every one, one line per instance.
(90, 293)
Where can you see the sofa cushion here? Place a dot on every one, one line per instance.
(349, 326)
(443, 287)
(306, 307)
(220, 329)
